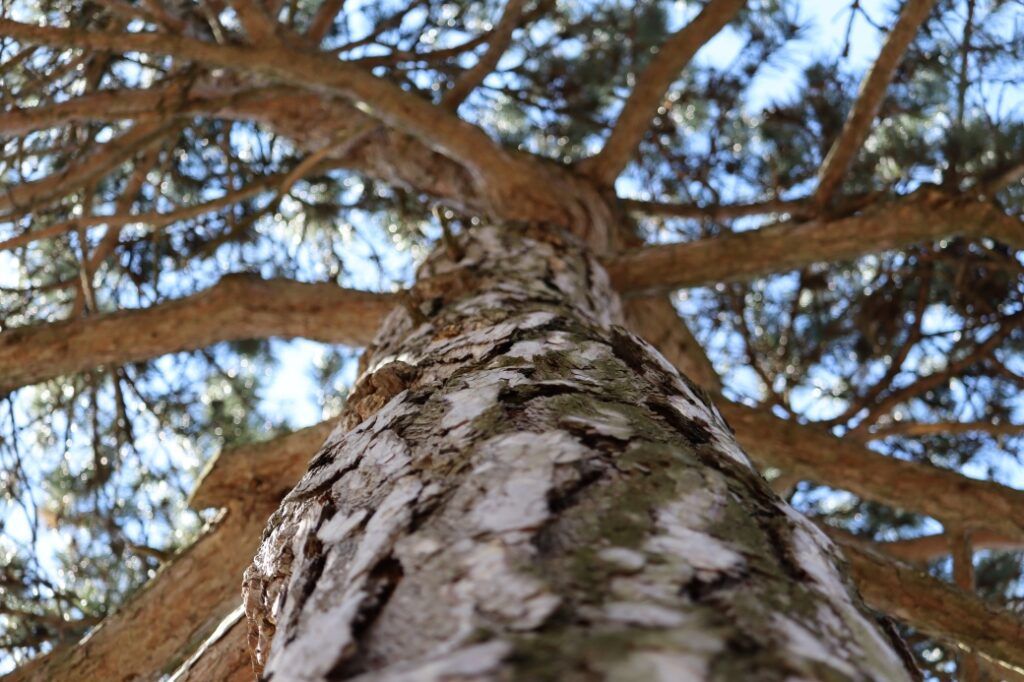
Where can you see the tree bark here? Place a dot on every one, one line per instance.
(522, 489)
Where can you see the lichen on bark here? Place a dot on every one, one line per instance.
(521, 489)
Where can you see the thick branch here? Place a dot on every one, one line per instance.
(258, 24)
(661, 209)
(264, 470)
(102, 105)
(815, 454)
(651, 86)
(238, 307)
(918, 429)
(869, 99)
(934, 607)
(791, 245)
(160, 625)
(507, 178)
(929, 547)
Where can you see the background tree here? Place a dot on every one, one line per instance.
(841, 230)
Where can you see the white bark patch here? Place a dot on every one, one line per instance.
(805, 644)
(322, 638)
(324, 632)
(700, 550)
(468, 404)
(384, 526)
(623, 558)
(812, 548)
(496, 587)
(684, 537)
(655, 584)
(388, 453)
(339, 527)
(473, 344)
(663, 666)
(607, 422)
(516, 475)
(724, 442)
(645, 614)
(553, 342)
(470, 663)
(352, 446)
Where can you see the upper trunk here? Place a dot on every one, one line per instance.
(521, 489)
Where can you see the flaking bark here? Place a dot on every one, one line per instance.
(528, 491)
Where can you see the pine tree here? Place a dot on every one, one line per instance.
(664, 376)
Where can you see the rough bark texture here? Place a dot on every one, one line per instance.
(238, 307)
(521, 489)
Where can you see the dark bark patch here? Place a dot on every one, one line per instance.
(589, 474)
(695, 431)
(375, 390)
(629, 351)
(701, 590)
(380, 585)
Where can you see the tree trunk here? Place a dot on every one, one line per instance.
(521, 489)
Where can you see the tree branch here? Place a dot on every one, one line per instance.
(814, 454)
(153, 220)
(929, 547)
(323, 20)
(791, 245)
(651, 86)
(259, 26)
(500, 40)
(507, 178)
(869, 99)
(265, 470)
(890, 399)
(238, 307)
(935, 608)
(161, 622)
(102, 105)
(659, 209)
(20, 198)
(918, 429)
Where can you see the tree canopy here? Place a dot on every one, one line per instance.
(208, 205)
